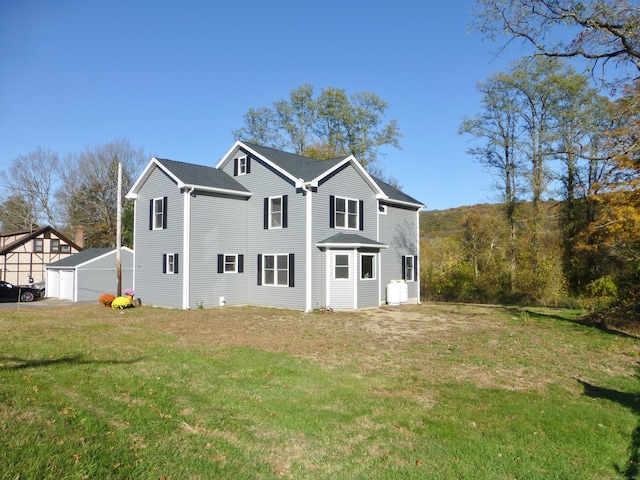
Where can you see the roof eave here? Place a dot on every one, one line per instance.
(224, 191)
(350, 245)
(417, 206)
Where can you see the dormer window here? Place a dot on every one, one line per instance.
(241, 166)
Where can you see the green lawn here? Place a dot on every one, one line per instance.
(429, 391)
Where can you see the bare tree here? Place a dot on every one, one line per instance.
(33, 177)
(89, 188)
(598, 31)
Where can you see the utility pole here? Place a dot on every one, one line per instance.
(119, 232)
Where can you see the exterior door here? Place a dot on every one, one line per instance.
(341, 279)
(66, 284)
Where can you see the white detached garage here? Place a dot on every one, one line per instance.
(88, 274)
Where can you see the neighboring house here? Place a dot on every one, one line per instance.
(24, 254)
(87, 275)
(266, 227)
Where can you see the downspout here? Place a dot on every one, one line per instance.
(186, 250)
(419, 255)
(378, 255)
(308, 250)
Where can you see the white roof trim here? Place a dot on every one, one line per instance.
(419, 206)
(133, 191)
(358, 166)
(99, 257)
(350, 245)
(216, 190)
(228, 156)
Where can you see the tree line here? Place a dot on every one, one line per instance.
(546, 131)
(80, 189)
(77, 190)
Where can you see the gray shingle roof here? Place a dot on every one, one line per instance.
(299, 166)
(81, 257)
(351, 239)
(308, 168)
(201, 175)
(393, 193)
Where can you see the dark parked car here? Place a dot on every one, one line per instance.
(11, 293)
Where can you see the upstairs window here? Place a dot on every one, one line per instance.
(57, 247)
(346, 213)
(38, 245)
(158, 213)
(276, 212)
(241, 166)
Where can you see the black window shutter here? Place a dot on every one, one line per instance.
(259, 269)
(240, 263)
(248, 164)
(175, 263)
(164, 212)
(220, 263)
(361, 213)
(292, 270)
(164, 263)
(235, 167)
(404, 266)
(285, 211)
(151, 214)
(266, 213)
(415, 268)
(332, 211)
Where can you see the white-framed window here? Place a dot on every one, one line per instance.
(242, 165)
(346, 213)
(275, 270)
(158, 220)
(367, 266)
(170, 263)
(341, 266)
(408, 268)
(230, 263)
(275, 212)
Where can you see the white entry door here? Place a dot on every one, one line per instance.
(341, 279)
(66, 284)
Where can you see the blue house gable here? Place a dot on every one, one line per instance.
(267, 227)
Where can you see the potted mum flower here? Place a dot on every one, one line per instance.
(123, 302)
(106, 299)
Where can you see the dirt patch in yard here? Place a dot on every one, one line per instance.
(487, 346)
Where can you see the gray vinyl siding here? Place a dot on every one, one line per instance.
(218, 227)
(264, 182)
(348, 183)
(151, 285)
(99, 276)
(398, 229)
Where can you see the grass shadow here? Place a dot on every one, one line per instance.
(632, 402)
(619, 329)
(18, 363)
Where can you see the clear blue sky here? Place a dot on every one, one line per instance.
(176, 77)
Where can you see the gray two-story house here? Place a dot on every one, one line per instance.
(267, 227)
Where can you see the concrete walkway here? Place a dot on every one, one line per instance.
(43, 302)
